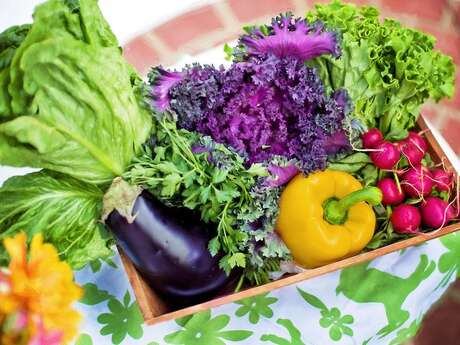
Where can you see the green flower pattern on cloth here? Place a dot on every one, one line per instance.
(201, 329)
(124, 319)
(449, 263)
(330, 318)
(293, 331)
(256, 307)
(396, 289)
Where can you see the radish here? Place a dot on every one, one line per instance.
(372, 138)
(406, 219)
(417, 182)
(385, 156)
(442, 179)
(412, 152)
(391, 194)
(413, 148)
(436, 212)
(417, 140)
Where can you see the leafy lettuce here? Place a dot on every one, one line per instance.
(73, 103)
(65, 210)
(388, 70)
(10, 40)
(70, 104)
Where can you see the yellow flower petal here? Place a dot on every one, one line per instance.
(43, 286)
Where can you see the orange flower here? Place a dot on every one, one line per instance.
(42, 287)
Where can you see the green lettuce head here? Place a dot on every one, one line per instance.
(70, 102)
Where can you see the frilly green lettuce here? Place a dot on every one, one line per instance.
(388, 70)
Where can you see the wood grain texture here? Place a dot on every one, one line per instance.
(155, 310)
(149, 302)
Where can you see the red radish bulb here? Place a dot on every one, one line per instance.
(442, 179)
(372, 138)
(417, 181)
(417, 140)
(390, 192)
(412, 152)
(386, 155)
(436, 212)
(406, 219)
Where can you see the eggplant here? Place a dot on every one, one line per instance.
(169, 247)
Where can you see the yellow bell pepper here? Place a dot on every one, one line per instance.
(324, 217)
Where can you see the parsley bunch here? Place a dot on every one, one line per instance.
(187, 169)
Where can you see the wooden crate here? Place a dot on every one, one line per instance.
(155, 310)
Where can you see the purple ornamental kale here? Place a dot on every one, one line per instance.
(162, 81)
(197, 94)
(278, 107)
(270, 104)
(287, 36)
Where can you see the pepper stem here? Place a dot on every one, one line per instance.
(336, 210)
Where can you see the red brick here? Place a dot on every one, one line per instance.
(451, 131)
(455, 7)
(140, 54)
(247, 10)
(428, 9)
(184, 28)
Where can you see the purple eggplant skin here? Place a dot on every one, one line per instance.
(169, 247)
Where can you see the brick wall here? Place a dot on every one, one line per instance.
(211, 25)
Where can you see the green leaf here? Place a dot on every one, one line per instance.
(219, 175)
(237, 259)
(214, 246)
(75, 105)
(258, 169)
(204, 194)
(312, 300)
(167, 167)
(170, 184)
(92, 294)
(239, 335)
(95, 265)
(396, 134)
(10, 40)
(369, 175)
(66, 211)
(351, 163)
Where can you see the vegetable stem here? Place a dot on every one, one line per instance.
(336, 211)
